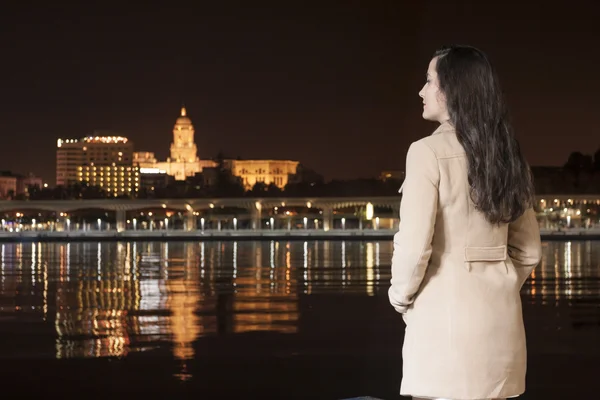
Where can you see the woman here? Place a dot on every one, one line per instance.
(468, 239)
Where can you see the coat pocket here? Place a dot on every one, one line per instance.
(484, 254)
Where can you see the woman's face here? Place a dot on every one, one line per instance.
(434, 102)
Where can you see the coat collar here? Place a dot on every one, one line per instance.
(443, 128)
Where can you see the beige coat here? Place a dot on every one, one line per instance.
(456, 280)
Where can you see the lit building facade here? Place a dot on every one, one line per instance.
(25, 182)
(153, 179)
(8, 186)
(268, 171)
(12, 185)
(104, 161)
(69, 155)
(116, 180)
(183, 161)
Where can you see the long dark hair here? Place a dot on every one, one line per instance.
(499, 177)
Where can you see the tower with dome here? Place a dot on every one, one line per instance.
(183, 161)
(183, 148)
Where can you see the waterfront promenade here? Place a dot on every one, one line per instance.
(248, 234)
(560, 216)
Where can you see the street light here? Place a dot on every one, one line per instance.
(369, 211)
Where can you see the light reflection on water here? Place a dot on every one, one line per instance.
(109, 299)
(569, 271)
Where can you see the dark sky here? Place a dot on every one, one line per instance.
(334, 86)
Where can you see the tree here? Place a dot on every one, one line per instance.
(579, 162)
(227, 185)
(273, 190)
(258, 190)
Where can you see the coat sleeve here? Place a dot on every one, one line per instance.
(418, 209)
(524, 244)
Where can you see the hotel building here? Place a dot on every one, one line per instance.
(100, 160)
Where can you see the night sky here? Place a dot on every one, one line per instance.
(334, 86)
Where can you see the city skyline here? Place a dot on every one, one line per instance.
(333, 87)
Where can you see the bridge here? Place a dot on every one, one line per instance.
(311, 214)
(207, 209)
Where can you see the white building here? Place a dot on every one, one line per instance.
(184, 160)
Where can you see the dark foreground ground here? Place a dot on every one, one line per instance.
(346, 346)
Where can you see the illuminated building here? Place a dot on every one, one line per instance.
(15, 184)
(105, 161)
(184, 161)
(116, 180)
(69, 155)
(267, 171)
(144, 158)
(152, 179)
(28, 181)
(8, 186)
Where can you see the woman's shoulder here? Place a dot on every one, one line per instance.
(443, 142)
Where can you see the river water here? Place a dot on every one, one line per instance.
(281, 319)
